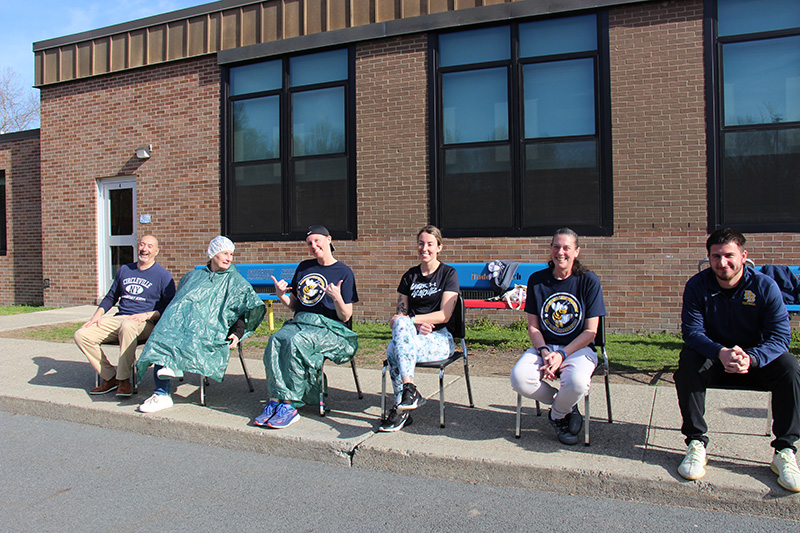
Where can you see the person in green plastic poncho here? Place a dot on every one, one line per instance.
(322, 294)
(213, 310)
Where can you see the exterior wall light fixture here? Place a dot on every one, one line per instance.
(143, 152)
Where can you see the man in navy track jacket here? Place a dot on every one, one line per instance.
(736, 334)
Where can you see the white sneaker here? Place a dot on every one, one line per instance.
(784, 464)
(168, 373)
(693, 465)
(156, 402)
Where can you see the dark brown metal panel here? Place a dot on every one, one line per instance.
(271, 22)
(386, 10)
(67, 62)
(102, 55)
(338, 14)
(363, 12)
(156, 44)
(316, 16)
(137, 48)
(250, 25)
(198, 36)
(215, 32)
(293, 19)
(176, 40)
(83, 60)
(230, 28)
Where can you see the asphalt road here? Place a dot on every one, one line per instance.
(59, 476)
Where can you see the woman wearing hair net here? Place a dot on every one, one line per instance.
(213, 310)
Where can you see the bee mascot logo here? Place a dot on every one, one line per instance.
(561, 313)
(312, 289)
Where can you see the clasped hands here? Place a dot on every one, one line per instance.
(551, 363)
(735, 360)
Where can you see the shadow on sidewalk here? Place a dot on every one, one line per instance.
(57, 373)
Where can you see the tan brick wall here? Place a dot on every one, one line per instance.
(659, 171)
(21, 267)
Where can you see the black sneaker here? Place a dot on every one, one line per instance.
(575, 419)
(395, 421)
(411, 398)
(562, 430)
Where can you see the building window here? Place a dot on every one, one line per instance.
(522, 128)
(290, 154)
(3, 245)
(754, 115)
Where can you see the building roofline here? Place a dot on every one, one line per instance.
(242, 30)
(406, 26)
(138, 24)
(19, 135)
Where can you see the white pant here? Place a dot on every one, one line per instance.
(576, 376)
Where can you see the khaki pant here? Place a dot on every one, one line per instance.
(113, 328)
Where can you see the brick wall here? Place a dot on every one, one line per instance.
(90, 129)
(21, 267)
(89, 132)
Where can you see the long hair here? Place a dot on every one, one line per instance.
(577, 267)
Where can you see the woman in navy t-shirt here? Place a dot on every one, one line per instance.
(564, 306)
(426, 298)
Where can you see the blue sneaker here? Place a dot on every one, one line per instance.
(269, 410)
(285, 415)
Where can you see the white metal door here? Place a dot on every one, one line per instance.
(117, 238)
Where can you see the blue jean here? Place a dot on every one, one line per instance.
(407, 348)
(163, 386)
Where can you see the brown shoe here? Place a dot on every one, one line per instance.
(107, 385)
(124, 387)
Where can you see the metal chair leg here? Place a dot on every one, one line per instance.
(441, 397)
(518, 433)
(383, 389)
(244, 369)
(321, 383)
(202, 390)
(586, 419)
(466, 373)
(355, 377)
(608, 388)
(769, 416)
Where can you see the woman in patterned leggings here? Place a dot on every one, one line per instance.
(426, 297)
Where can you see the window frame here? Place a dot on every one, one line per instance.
(286, 158)
(715, 125)
(517, 142)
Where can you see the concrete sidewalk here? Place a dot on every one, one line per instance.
(635, 458)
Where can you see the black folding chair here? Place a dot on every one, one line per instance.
(322, 379)
(457, 328)
(204, 380)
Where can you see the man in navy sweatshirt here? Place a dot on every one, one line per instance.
(143, 290)
(736, 334)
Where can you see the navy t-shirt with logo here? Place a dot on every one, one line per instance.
(425, 292)
(310, 280)
(140, 291)
(564, 305)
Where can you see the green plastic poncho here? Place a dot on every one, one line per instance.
(192, 334)
(295, 354)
